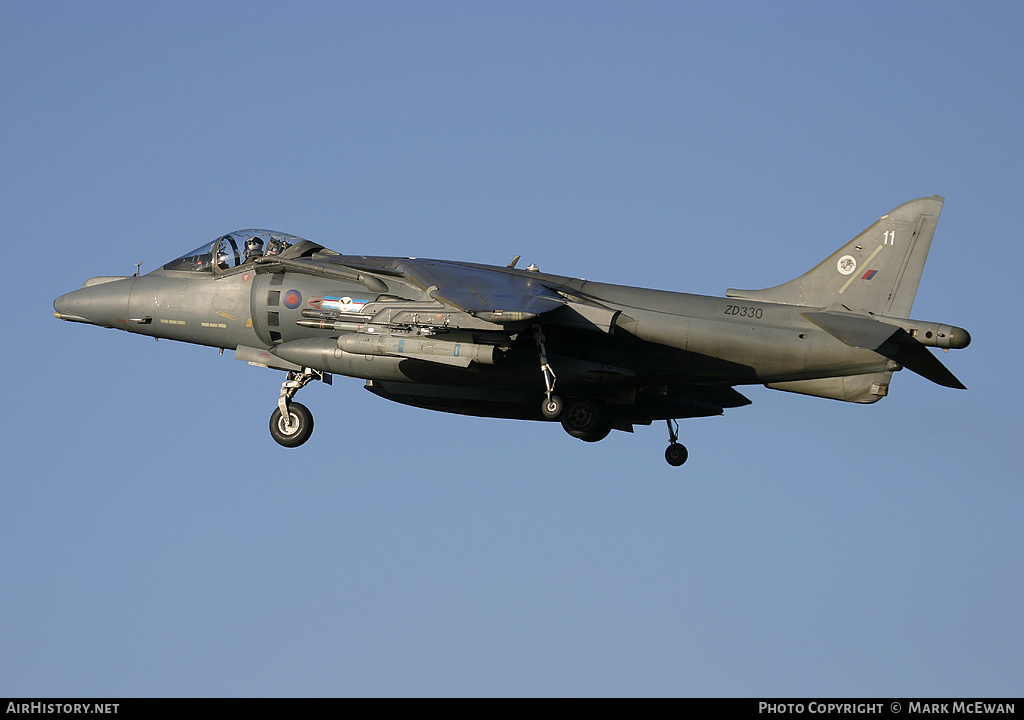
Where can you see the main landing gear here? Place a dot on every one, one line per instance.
(589, 418)
(291, 423)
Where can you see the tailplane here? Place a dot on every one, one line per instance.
(877, 272)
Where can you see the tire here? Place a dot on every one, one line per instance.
(676, 454)
(301, 422)
(587, 420)
(552, 409)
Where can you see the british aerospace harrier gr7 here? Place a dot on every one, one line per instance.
(507, 342)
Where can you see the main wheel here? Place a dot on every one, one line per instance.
(676, 454)
(298, 428)
(587, 420)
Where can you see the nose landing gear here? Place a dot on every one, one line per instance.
(294, 430)
(291, 423)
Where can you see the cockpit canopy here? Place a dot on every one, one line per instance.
(233, 250)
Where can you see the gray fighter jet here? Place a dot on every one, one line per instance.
(506, 342)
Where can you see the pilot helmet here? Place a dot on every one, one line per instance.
(253, 246)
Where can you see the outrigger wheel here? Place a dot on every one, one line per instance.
(675, 453)
(551, 408)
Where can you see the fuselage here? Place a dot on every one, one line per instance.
(673, 335)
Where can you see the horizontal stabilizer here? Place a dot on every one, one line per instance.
(912, 355)
(854, 330)
(887, 340)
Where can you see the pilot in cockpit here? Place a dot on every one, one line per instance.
(253, 249)
(275, 247)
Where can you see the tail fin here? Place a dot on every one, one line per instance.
(876, 272)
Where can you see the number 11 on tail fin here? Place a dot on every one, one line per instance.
(877, 272)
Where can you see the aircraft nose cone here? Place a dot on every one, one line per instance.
(72, 306)
(102, 301)
(69, 305)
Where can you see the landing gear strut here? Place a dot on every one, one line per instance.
(551, 408)
(675, 454)
(291, 423)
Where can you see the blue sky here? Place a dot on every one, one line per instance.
(155, 541)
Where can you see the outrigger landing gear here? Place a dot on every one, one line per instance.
(291, 423)
(552, 406)
(675, 454)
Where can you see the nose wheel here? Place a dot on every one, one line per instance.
(293, 430)
(291, 423)
(675, 453)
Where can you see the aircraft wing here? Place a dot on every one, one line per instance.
(487, 293)
(493, 294)
(501, 295)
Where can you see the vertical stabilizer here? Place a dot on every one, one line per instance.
(877, 272)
